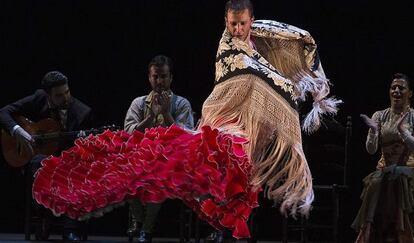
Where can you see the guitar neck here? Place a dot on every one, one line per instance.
(72, 134)
(56, 135)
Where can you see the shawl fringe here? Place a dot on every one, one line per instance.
(245, 105)
(292, 52)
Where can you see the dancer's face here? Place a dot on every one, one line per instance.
(400, 93)
(160, 78)
(239, 23)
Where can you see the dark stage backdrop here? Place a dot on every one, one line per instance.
(104, 47)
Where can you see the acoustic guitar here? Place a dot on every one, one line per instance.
(47, 135)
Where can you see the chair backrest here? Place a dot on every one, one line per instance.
(328, 152)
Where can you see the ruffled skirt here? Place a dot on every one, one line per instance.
(208, 170)
(387, 206)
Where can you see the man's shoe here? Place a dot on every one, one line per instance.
(220, 236)
(133, 229)
(144, 237)
(215, 237)
(71, 236)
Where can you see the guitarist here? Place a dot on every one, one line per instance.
(52, 101)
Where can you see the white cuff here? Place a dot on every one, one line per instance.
(14, 129)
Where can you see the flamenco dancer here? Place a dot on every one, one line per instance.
(249, 137)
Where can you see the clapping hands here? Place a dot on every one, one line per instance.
(161, 103)
(374, 125)
(402, 121)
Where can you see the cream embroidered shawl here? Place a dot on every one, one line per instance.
(255, 96)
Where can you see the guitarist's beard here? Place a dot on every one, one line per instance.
(63, 106)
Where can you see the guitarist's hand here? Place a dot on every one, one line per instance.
(24, 141)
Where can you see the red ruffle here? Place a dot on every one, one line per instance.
(208, 170)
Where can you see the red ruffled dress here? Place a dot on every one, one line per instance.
(208, 170)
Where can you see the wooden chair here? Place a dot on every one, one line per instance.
(328, 157)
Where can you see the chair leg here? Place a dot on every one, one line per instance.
(28, 204)
(335, 216)
(190, 224)
(284, 230)
(186, 224)
(182, 224)
(197, 230)
(304, 230)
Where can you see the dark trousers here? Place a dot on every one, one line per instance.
(144, 214)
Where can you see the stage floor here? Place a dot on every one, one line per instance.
(101, 239)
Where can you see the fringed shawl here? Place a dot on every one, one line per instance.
(256, 95)
(292, 52)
